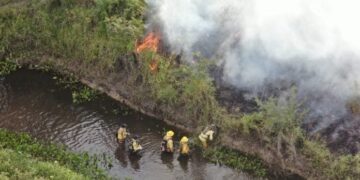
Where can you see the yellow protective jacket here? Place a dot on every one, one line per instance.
(169, 144)
(207, 135)
(136, 146)
(184, 148)
(122, 133)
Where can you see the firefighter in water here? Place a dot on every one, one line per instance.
(122, 133)
(207, 135)
(184, 146)
(168, 145)
(134, 146)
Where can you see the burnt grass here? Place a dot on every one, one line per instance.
(341, 136)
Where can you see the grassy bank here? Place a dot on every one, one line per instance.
(16, 165)
(275, 126)
(95, 39)
(82, 32)
(23, 156)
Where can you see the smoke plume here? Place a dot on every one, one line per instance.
(271, 45)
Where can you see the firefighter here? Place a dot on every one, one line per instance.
(184, 146)
(134, 146)
(122, 133)
(207, 135)
(168, 145)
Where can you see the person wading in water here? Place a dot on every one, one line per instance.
(168, 145)
(122, 133)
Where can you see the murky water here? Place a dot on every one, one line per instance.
(31, 102)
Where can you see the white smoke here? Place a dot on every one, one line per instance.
(313, 44)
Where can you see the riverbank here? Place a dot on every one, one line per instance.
(41, 106)
(23, 157)
(100, 56)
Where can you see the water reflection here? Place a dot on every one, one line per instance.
(134, 161)
(167, 159)
(183, 161)
(121, 155)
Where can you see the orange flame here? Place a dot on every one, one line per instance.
(151, 42)
(153, 65)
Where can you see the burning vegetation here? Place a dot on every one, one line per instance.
(150, 43)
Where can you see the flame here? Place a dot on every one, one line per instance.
(150, 42)
(153, 65)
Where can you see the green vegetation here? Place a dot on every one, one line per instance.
(89, 37)
(15, 165)
(6, 67)
(84, 94)
(334, 167)
(180, 86)
(237, 160)
(87, 31)
(276, 123)
(80, 92)
(39, 157)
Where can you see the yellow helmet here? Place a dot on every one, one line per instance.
(184, 139)
(170, 133)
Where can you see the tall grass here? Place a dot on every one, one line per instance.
(181, 86)
(92, 32)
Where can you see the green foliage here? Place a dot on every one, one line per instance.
(181, 86)
(328, 165)
(79, 31)
(16, 165)
(80, 163)
(277, 123)
(319, 154)
(280, 121)
(6, 67)
(346, 167)
(84, 94)
(80, 93)
(129, 9)
(237, 160)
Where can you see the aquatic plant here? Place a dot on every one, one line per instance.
(6, 67)
(237, 160)
(83, 94)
